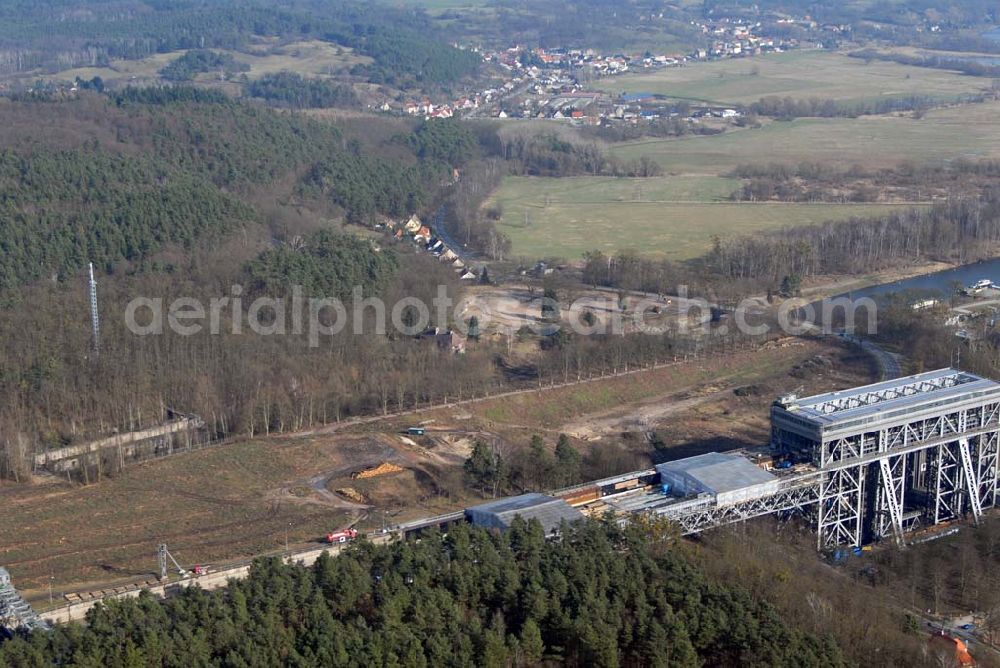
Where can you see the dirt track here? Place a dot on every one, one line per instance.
(643, 416)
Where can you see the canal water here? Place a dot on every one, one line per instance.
(940, 281)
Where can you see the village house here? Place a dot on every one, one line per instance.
(448, 340)
(413, 225)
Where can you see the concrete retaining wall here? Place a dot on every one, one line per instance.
(75, 612)
(117, 441)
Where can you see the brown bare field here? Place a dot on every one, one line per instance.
(560, 409)
(691, 406)
(222, 502)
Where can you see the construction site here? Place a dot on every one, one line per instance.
(864, 465)
(890, 461)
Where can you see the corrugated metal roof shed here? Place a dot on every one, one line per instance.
(730, 478)
(549, 511)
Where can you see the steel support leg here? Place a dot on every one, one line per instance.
(971, 479)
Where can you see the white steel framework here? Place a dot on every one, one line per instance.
(886, 458)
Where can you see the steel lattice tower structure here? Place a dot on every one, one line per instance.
(918, 450)
(95, 320)
(874, 462)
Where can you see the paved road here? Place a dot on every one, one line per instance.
(888, 363)
(976, 646)
(441, 232)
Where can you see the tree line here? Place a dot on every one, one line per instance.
(529, 152)
(824, 182)
(969, 65)
(600, 596)
(162, 95)
(660, 127)
(961, 230)
(788, 108)
(491, 473)
(199, 61)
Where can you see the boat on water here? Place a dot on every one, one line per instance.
(980, 285)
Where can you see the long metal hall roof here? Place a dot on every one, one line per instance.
(911, 394)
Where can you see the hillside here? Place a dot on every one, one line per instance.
(599, 597)
(177, 192)
(50, 36)
(118, 180)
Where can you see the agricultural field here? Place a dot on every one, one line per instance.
(969, 131)
(797, 74)
(312, 58)
(669, 217)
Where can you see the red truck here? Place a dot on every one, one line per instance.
(341, 536)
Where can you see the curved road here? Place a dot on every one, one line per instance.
(888, 363)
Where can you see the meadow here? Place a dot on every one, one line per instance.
(313, 58)
(669, 217)
(796, 74)
(677, 216)
(969, 131)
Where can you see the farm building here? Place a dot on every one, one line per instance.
(549, 511)
(730, 478)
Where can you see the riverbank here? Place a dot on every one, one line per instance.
(822, 287)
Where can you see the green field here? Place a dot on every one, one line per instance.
(670, 217)
(797, 74)
(677, 216)
(971, 131)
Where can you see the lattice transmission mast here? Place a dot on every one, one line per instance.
(95, 318)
